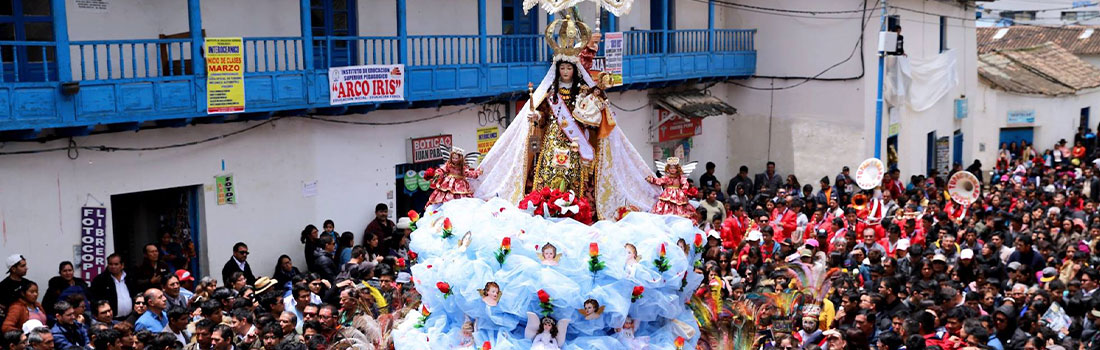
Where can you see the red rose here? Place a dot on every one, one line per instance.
(412, 255)
(400, 262)
(638, 290)
(443, 287)
(698, 239)
(430, 173)
(543, 296)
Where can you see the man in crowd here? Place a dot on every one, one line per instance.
(67, 332)
(238, 263)
(768, 181)
(115, 287)
(10, 286)
(742, 179)
(152, 270)
(154, 319)
(381, 227)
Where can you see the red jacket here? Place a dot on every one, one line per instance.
(733, 231)
(785, 223)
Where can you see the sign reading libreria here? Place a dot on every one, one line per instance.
(93, 241)
(371, 83)
(224, 75)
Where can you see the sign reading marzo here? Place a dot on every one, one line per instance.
(372, 83)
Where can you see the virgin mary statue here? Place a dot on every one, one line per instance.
(565, 137)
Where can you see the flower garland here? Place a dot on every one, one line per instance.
(544, 303)
(424, 313)
(444, 288)
(594, 263)
(636, 293)
(661, 262)
(505, 248)
(558, 204)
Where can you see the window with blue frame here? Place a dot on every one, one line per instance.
(334, 18)
(26, 35)
(521, 33)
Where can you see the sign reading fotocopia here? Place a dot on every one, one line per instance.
(93, 241)
(372, 83)
(426, 149)
(224, 75)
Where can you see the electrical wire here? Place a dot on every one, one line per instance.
(858, 47)
(73, 149)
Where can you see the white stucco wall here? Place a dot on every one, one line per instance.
(41, 194)
(1056, 118)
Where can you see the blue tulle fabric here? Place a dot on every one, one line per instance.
(467, 263)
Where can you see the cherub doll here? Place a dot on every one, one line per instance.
(466, 337)
(545, 333)
(592, 309)
(673, 201)
(631, 260)
(550, 255)
(627, 338)
(449, 181)
(490, 294)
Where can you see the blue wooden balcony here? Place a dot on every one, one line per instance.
(129, 84)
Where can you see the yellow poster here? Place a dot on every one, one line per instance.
(486, 137)
(224, 75)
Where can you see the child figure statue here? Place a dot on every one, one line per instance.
(449, 181)
(673, 200)
(545, 333)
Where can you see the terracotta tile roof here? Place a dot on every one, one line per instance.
(1016, 37)
(1046, 69)
(695, 104)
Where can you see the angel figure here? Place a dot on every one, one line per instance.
(631, 254)
(592, 309)
(465, 339)
(627, 338)
(465, 241)
(550, 255)
(545, 333)
(449, 180)
(490, 294)
(673, 200)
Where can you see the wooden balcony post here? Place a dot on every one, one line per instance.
(194, 21)
(402, 34)
(306, 19)
(710, 25)
(482, 48)
(61, 40)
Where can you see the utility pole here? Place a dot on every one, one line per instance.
(878, 100)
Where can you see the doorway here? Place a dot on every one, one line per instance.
(522, 47)
(145, 217)
(27, 21)
(930, 153)
(334, 18)
(1015, 135)
(1084, 123)
(412, 189)
(957, 148)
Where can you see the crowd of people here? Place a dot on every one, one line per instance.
(909, 268)
(350, 294)
(906, 266)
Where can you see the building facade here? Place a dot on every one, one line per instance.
(291, 158)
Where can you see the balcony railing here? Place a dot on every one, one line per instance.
(123, 81)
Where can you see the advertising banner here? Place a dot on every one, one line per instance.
(371, 83)
(227, 192)
(613, 54)
(426, 149)
(93, 241)
(486, 137)
(224, 75)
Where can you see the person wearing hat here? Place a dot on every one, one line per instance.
(10, 286)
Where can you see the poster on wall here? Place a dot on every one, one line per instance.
(613, 53)
(224, 75)
(92, 6)
(943, 155)
(486, 137)
(1021, 117)
(227, 191)
(93, 241)
(672, 127)
(370, 83)
(426, 149)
